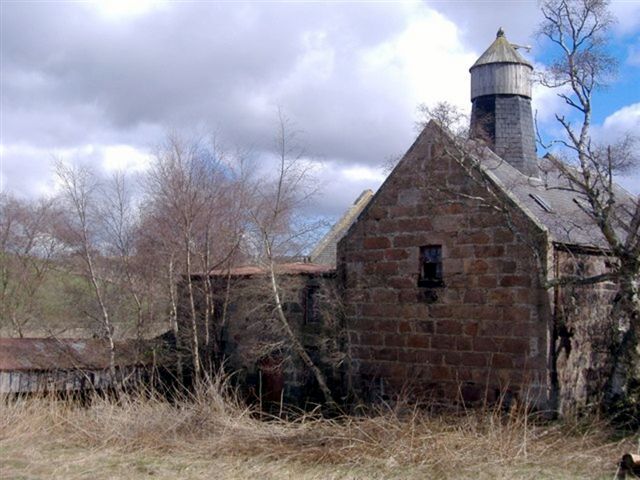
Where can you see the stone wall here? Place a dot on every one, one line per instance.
(480, 334)
(253, 347)
(584, 331)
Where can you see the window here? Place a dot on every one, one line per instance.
(430, 266)
(541, 202)
(310, 305)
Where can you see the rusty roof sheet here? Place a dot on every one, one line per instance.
(295, 268)
(68, 353)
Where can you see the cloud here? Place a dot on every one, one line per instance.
(429, 57)
(349, 76)
(623, 121)
(25, 159)
(633, 54)
(119, 10)
(341, 185)
(627, 14)
(359, 172)
(25, 170)
(478, 22)
(124, 158)
(118, 76)
(546, 103)
(620, 123)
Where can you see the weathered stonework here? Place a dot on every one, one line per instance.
(584, 330)
(488, 327)
(249, 341)
(446, 276)
(479, 334)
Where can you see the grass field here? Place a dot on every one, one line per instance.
(214, 436)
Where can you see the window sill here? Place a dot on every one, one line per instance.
(430, 283)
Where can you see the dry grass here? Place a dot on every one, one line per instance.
(214, 436)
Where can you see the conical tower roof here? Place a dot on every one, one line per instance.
(500, 51)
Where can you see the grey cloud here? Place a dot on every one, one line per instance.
(479, 20)
(181, 65)
(192, 65)
(72, 78)
(22, 183)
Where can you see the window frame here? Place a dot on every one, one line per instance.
(430, 261)
(310, 307)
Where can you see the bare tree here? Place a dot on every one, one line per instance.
(578, 30)
(132, 270)
(79, 188)
(194, 208)
(28, 250)
(447, 115)
(177, 184)
(278, 233)
(156, 249)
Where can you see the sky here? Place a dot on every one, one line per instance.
(104, 82)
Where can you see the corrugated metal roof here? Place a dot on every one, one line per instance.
(296, 268)
(67, 354)
(501, 51)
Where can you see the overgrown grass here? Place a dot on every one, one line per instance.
(213, 435)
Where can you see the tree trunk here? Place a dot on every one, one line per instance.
(106, 320)
(625, 369)
(195, 343)
(297, 346)
(173, 321)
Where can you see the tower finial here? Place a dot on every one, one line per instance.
(500, 32)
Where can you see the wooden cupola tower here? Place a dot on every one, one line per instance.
(501, 104)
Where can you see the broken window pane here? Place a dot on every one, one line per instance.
(430, 266)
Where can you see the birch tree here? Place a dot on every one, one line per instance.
(279, 233)
(578, 32)
(194, 205)
(79, 189)
(28, 252)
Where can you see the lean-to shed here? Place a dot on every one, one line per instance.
(29, 365)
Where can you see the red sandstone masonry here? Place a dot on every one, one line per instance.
(396, 254)
(372, 243)
(478, 326)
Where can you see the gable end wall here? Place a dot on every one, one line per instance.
(484, 331)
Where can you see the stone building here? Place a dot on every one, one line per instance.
(443, 273)
(249, 338)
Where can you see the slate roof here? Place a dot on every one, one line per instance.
(64, 354)
(551, 201)
(501, 51)
(326, 250)
(548, 200)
